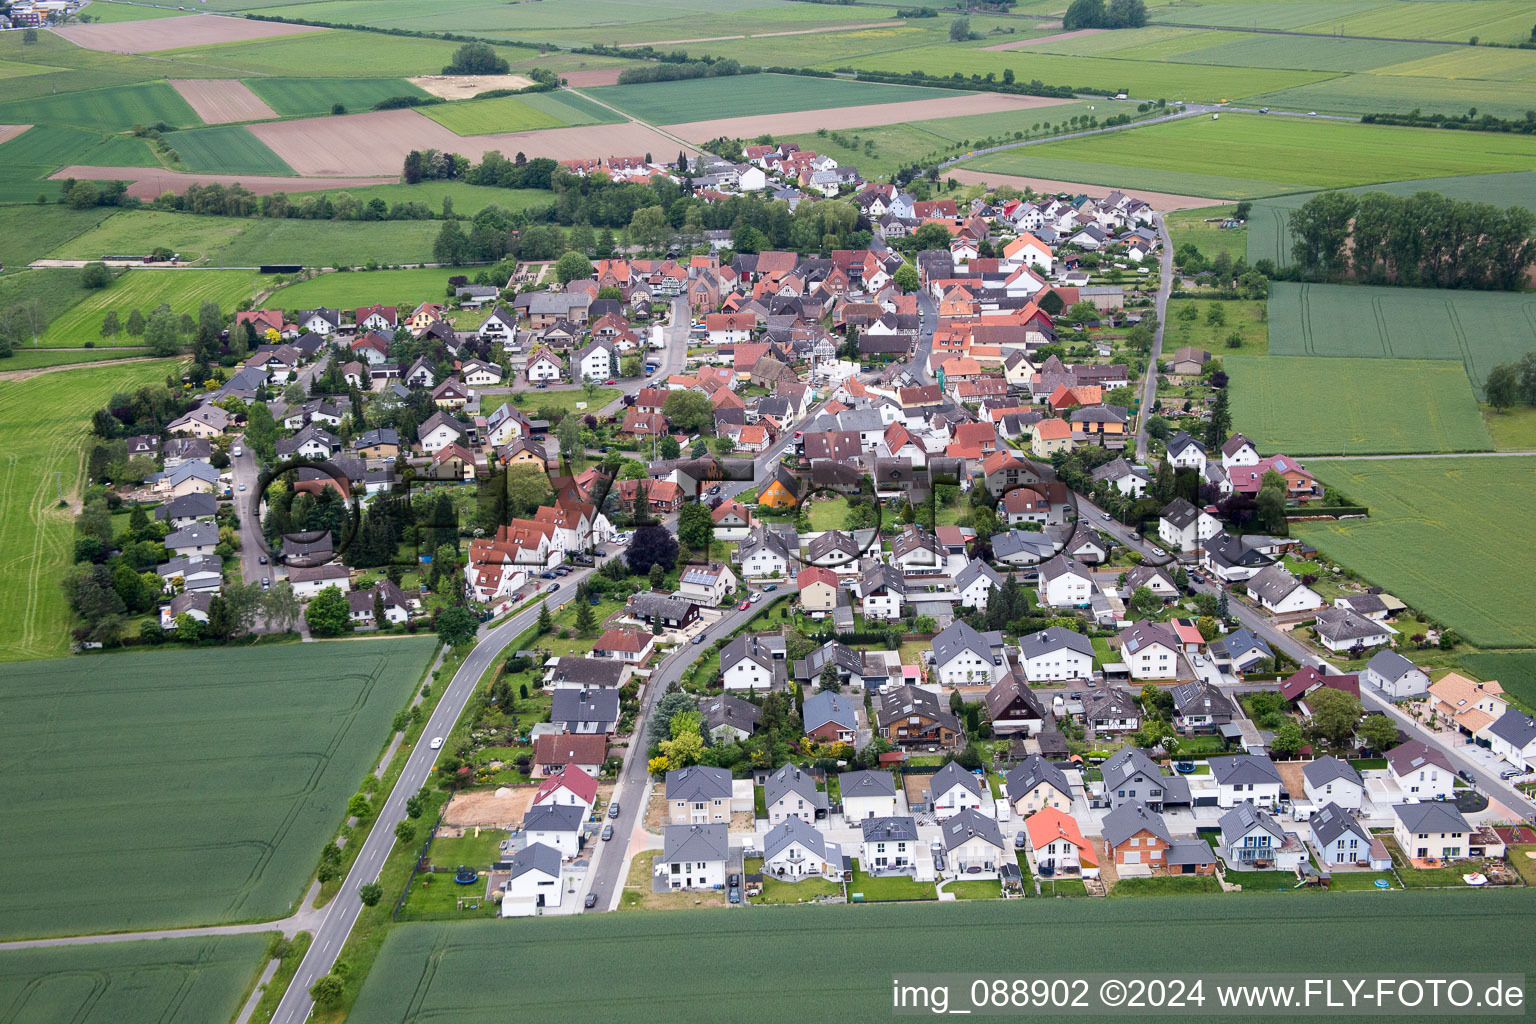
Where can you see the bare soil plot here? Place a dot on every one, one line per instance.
(222, 100)
(10, 131)
(762, 35)
(503, 807)
(150, 182)
(1159, 200)
(591, 78)
(463, 87)
(1058, 37)
(867, 115)
(175, 33)
(378, 141)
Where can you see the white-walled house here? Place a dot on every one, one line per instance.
(1395, 675)
(556, 825)
(867, 795)
(1150, 650)
(693, 857)
(973, 844)
(1328, 780)
(1064, 583)
(1342, 839)
(963, 655)
(889, 845)
(1421, 772)
(533, 881)
(1431, 830)
(795, 849)
(952, 789)
(1246, 778)
(1280, 593)
(1056, 654)
(1183, 527)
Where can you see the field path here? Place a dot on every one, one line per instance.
(17, 375)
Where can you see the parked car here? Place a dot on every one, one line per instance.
(733, 881)
(698, 639)
(613, 809)
(607, 832)
(1019, 841)
(715, 489)
(590, 901)
(261, 559)
(770, 588)
(610, 381)
(735, 896)
(755, 598)
(1511, 773)
(563, 571)
(546, 575)
(242, 485)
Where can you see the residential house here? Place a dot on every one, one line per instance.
(543, 367)
(1431, 830)
(767, 554)
(555, 751)
(733, 521)
(889, 845)
(438, 431)
(1183, 527)
(1013, 707)
(1111, 710)
(783, 491)
(585, 711)
(867, 795)
(818, 588)
(1240, 651)
(193, 539)
(568, 786)
(1064, 584)
(1184, 452)
(1155, 578)
(631, 646)
(973, 843)
(795, 849)
(1328, 780)
(206, 421)
(533, 881)
(953, 789)
(1469, 705)
(1339, 629)
(672, 611)
(693, 857)
(555, 825)
(1150, 650)
(1135, 835)
(1049, 437)
(1513, 738)
(963, 655)
(791, 792)
(1246, 777)
(1341, 839)
(753, 662)
(599, 360)
(1035, 784)
(881, 590)
(1280, 593)
(1130, 775)
(830, 717)
(1058, 844)
(1421, 772)
(698, 795)
(708, 584)
(910, 716)
(1200, 707)
(1251, 838)
(1056, 654)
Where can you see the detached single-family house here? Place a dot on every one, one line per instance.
(1328, 780)
(1064, 584)
(554, 751)
(819, 589)
(693, 857)
(556, 825)
(1341, 839)
(889, 845)
(1135, 835)
(790, 791)
(1035, 784)
(1056, 654)
(585, 711)
(752, 662)
(1240, 650)
(708, 584)
(1058, 844)
(1200, 707)
(1130, 775)
(1150, 650)
(1421, 772)
(1512, 737)
(830, 717)
(1395, 675)
(1246, 777)
(1183, 527)
(1111, 710)
(569, 786)
(1280, 593)
(795, 849)
(728, 718)
(963, 655)
(953, 789)
(910, 716)
(1013, 707)
(973, 843)
(867, 794)
(698, 795)
(533, 881)
(1431, 830)
(1251, 837)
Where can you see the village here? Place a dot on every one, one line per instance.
(881, 585)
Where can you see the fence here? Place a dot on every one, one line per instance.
(422, 854)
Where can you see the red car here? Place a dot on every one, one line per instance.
(610, 380)
(744, 605)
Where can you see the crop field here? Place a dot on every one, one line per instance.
(832, 49)
(1500, 21)
(28, 233)
(1459, 62)
(42, 424)
(1144, 79)
(483, 117)
(178, 981)
(104, 110)
(26, 160)
(1448, 536)
(363, 288)
(39, 358)
(745, 95)
(1515, 671)
(226, 772)
(143, 290)
(1281, 14)
(1268, 237)
(1477, 329)
(432, 972)
(467, 199)
(1246, 156)
(227, 149)
(297, 97)
(368, 55)
(1400, 94)
(48, 291)
(1306, 406)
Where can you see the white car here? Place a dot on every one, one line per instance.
(437, 743)
(242, 485)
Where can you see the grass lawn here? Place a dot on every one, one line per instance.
(1166, 885)
(1360, 881)
(568, 400)
(30, 232)
(1202, 228)
(484, 117)
(975, 889)
(828, 514)
(1244, 156)
(227, 772)
(1247, 318)
(435, 896)
(1445, 535)
(476, 851)
(467, 199)
(183, 290)
(1308, 406)
(1428, 878)
(1063, 887)
(795, 892)
(1523, 863)
(1513, 429)
(1265, 881)
(892, 887)
(349, 290)
(638, 894)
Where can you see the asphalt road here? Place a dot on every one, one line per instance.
(1487, 781)
(918, 364)
(1149, 386)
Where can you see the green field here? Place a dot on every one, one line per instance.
(34, 359)
(1245, 317)
(178, 981)
(1503, 21)
(366, 55)
(1306, 406)
(1515, 671)
(297, 97)
(1449, 536)
(105, 110)
(467, 199)
(226, 149)
(1202, 228)
(350, 290)
(29, 232)
(1477, 329)
(108, 11)
(226, 772)
(1247, 156)
(1269, 238)
(28, 159)
(43, 422)
(519, 113)
(1393, 94)
(460, 972)
(703, 99)
(143, 290)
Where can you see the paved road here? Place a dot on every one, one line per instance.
(1149, 385)
(1486, 780)
(918, 364)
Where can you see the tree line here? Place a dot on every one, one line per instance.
(1468, 122)
(1425, 240)
(1097, 14)
(676, 72)
(1510, 383)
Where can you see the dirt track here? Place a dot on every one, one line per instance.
(175, 33)
(866, 115)
(1162, 201)
(1058, 37)
(377, 142)
(222, 100)
(150, 182)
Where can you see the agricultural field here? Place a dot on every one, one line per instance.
(467, 199)
(1477, 329)
(184, 290)
(227, 149)
(28, 159)
(1496, 21)
(1269, 238)
(227, 771)
(104, 110)
(42, 294)
(40, 358)
(350, 290)
(1306, 406)
(1515, 671)
(747, 95)
(1240, 155)
(516, 114)
(429, 972)
(178, 981)
(29, 232)
(1391, 94)
(303, 97)
(1449, 536)
(367, 55)
(43, 422)
(110, 11)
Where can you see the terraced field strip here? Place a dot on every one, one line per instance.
(43, 423)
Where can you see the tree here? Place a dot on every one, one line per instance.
(476, 59)
(1378, 732)
(907, 278)
(1220, 423)
(1288, 739)
(110, 325)
(1156, 700)
(573, 266)
(451, 245)
(568, 433)
(1321, 229)
(696, 527)
(657, 577)
(328, 613)
(669, 448)
(1502, 386)
(585, 620)
(456, 626)
(82, 195)
(1335, 714)
(370, 893)
(328, 989)
(960, 30)
(1145, 603)
(689, 412)
(1270, 505)
(546, 623)
(135, 325)
(649, 228)
(280, 606)
(829, 679)
(405, 831)
(95, 275)
(1083, 14)
(163, 333)
(930, 236)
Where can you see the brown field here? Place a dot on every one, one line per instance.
(150, 182)
(1163, 201)
(868, 115)
(222, 100)
(1058, 37)
(377, 142)
(483, 807)
(763, 35)
(463, 87)
(175, 33)
(10, 131)
(591, 78)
